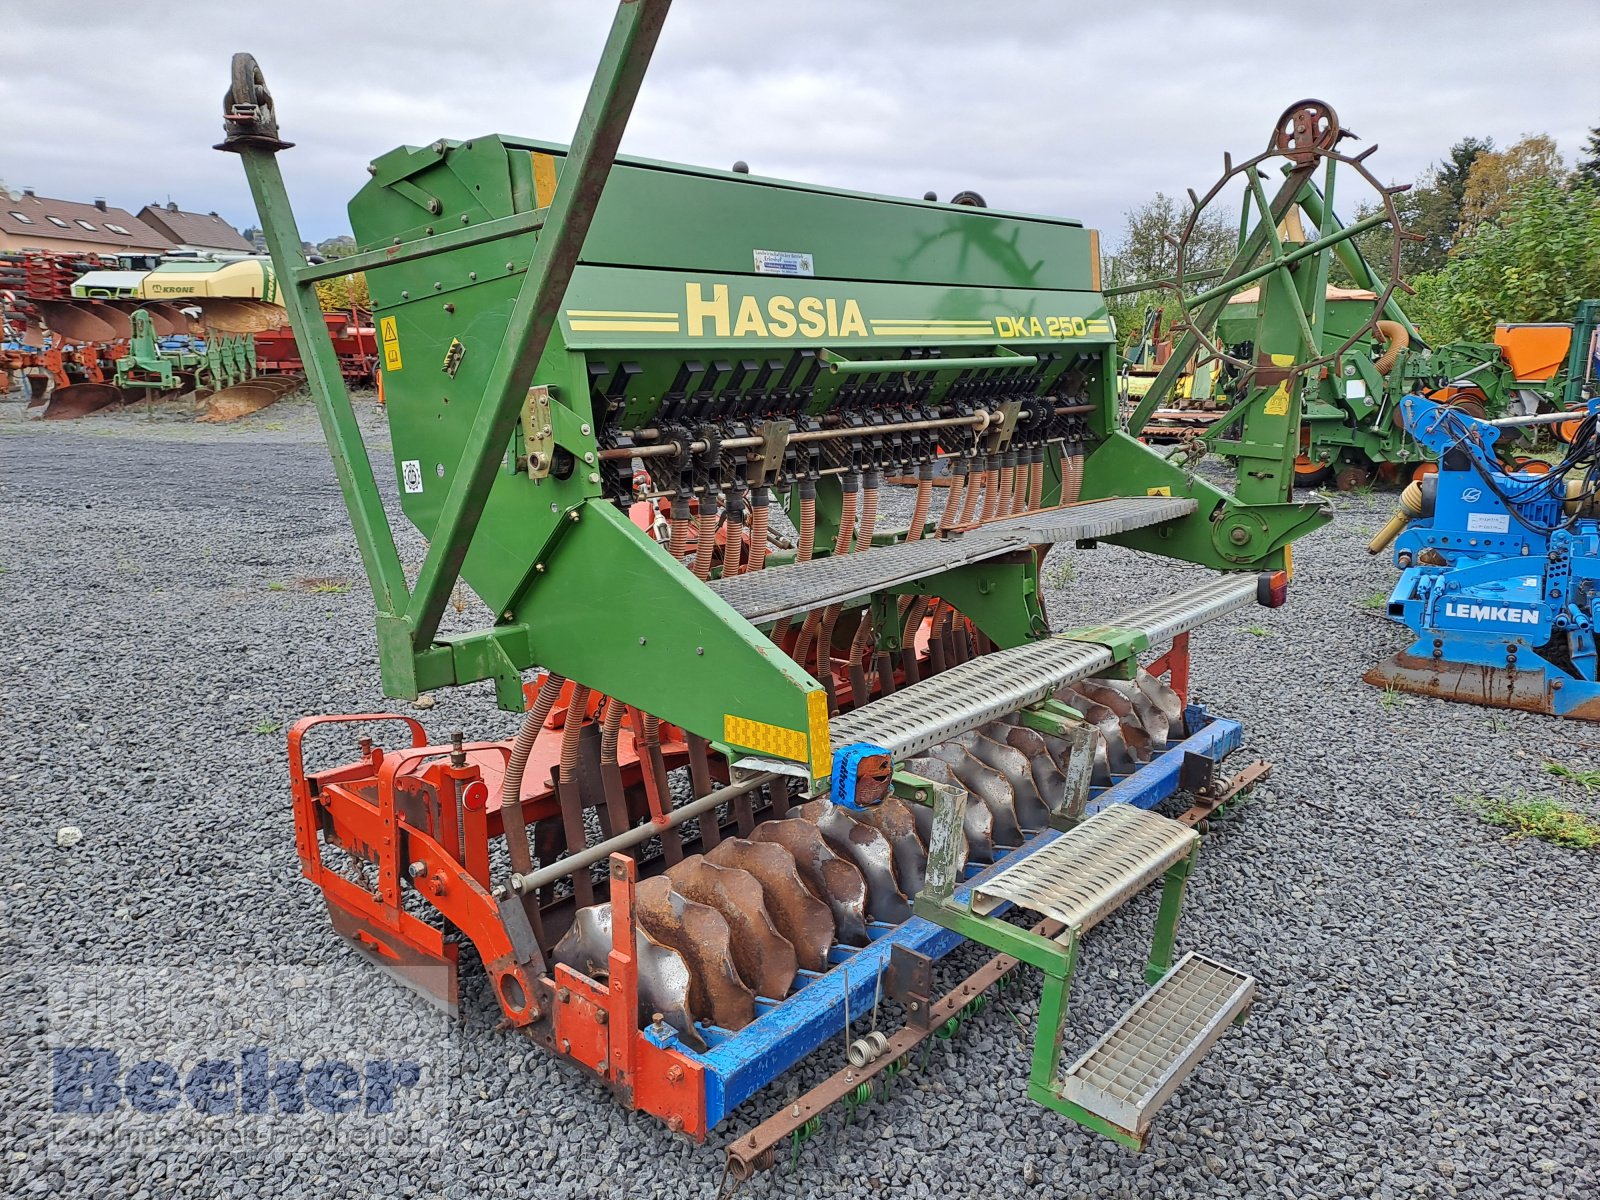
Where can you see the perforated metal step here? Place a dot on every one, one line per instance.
(770, 595)
(992, 685)
(1092, 869)
(1131, 1071)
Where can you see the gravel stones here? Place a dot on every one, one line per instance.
(1426, 1024)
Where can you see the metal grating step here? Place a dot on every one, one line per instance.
(1140, 1061)
(992, 685)
(777, 592)
(1095, 518)
(1092, 869)
(770, 595)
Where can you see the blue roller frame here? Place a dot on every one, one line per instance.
(740, 1064)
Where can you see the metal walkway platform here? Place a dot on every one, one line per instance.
(770, 595)
(1131, 1071)
(990, 686)
(1092, 869)
(1094, 518)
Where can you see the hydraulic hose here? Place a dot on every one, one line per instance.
(919, 509)
(958, 490)
(804, 551)
(976, 474)
(999, 502)
(610, 727)
(707, 544)
(570, 732)
(869, 521)
(678, 543)
(733, 544)
(841, 543)
(1071, 477)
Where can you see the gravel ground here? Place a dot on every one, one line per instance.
(175, 594)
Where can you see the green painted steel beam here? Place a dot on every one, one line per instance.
(1314, 203)
(1249, 250)
(403, 252)
(325, 380)
(534, 312)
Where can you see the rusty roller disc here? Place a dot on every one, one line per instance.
(663, 975)
(893, 818)
(869, 850)
(701, 936)
(1134, 736)
(991, 787)
(805, 922)
(833, 880)
(977, 825)
(1013, 764)
(1048, 779)
(79, 400)
(764, 958)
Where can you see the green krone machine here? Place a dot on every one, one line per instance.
(763, 779)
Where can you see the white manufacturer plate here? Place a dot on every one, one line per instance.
(783, 262)
(411, 475)
(1488, 523)
(1355, 389)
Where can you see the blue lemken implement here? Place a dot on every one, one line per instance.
(1499, 570)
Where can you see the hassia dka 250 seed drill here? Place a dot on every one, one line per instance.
(760, 788)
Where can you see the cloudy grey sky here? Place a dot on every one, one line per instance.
(1076, 110)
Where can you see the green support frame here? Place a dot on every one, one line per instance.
(408, 616)
(1056, 957)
